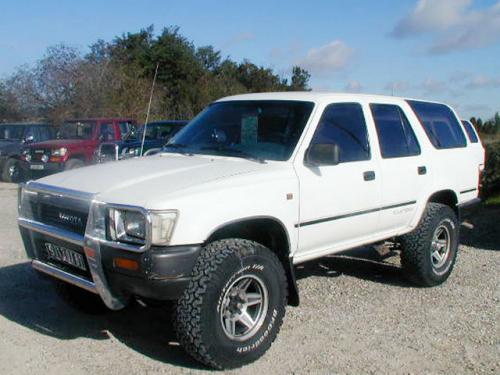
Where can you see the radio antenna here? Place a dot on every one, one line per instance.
(149, 109)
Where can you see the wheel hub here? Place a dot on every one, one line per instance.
(440, 246)
(244, 307)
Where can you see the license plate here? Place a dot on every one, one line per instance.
(64, 255)
(37, 167)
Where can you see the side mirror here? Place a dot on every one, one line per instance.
(28, 139)
(323, 154)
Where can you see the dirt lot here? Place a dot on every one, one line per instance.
(357, 315)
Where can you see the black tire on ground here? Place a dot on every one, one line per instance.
(80, 299)
(224, 267)
(429, 252)
(73, 164)
(12, 171)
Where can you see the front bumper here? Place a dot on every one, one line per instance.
(38, 169)
(162, 272)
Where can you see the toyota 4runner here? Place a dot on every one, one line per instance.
(253, 186)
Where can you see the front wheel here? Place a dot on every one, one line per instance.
(429, 252)
(12, 171)
(233, 308)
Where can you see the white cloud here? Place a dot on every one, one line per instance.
(430, 86)
(483, 82)
(432, 15)
(353, 86)
(453, 23)
(328, 58)
(239, 38)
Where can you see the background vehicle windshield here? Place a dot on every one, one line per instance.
(76, 130)
(256, 129)
(13, 132)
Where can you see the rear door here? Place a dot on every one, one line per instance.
(339, 203)
(403, 170)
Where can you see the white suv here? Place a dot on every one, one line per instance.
(254, 185)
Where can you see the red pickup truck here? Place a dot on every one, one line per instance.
(76, 142)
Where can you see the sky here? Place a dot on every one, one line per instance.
(444, 50)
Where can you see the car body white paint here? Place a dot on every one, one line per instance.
(212, 191)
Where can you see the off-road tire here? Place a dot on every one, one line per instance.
(417, 246)
(73, 164)
(80, 299)
(196, 316)
(5, 172)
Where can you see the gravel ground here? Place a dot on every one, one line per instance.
(357, 315)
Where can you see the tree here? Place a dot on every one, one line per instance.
(300, 79)
(114, 79)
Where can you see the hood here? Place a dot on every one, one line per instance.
(137, 181)
(56, 143)
(9, 146)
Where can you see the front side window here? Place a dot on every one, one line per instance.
(261, 129)
(107, 132)
(440, 124)
(344, 124)
(76, 130)
(471, 134)
(395, 135)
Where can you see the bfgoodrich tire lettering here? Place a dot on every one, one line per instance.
(429, 252)
(220, 266)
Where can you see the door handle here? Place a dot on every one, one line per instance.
(369, 175)
(422, 170)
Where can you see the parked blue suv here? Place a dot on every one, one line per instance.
(157, 134)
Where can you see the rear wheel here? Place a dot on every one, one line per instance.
(74, 164)
(429, 252)
(233, 308)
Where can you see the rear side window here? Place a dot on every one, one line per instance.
(471, 134)
(344, 124)
(395, 135)
(440, 124)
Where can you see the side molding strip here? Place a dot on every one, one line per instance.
(364, 212)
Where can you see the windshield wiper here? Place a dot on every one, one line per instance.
(234, 152)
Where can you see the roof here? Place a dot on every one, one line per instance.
(314, 96)
(99, 119)
(25, 123)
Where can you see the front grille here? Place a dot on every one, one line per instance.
(66, 213)
(36, 154)
(65, 218)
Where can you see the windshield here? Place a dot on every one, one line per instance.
(76, 130)
(254, 129)
(12, 132)
(160, 131)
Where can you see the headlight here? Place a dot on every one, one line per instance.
(59, 151)
(127, 226)
(133, 227)
(26, 155)
(133, 151)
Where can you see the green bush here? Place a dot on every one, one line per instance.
(491, 175)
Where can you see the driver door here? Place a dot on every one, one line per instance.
(339, 203)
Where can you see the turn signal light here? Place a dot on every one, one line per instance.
(127, 264)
